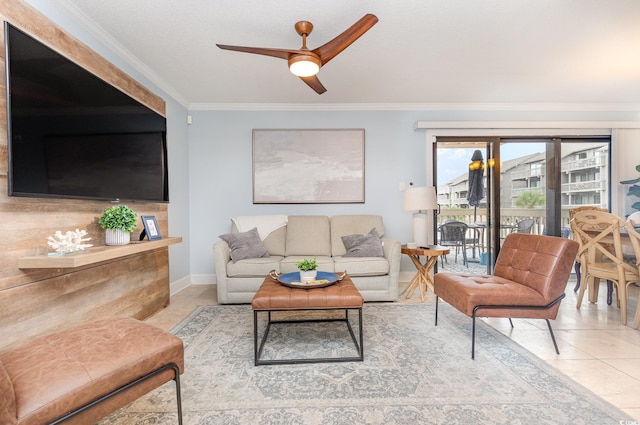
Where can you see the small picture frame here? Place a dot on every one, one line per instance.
(151, 229)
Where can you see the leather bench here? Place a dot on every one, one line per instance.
(272, 297)
(85, 373)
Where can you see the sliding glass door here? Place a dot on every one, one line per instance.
(529, 186)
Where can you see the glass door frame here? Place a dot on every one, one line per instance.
(553, 189)
(490, 147)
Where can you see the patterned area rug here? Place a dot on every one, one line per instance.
(413, 373)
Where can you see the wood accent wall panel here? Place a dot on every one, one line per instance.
(135, 287)
(39, 301)
(41, 28)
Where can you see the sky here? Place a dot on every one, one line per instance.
(453, 162)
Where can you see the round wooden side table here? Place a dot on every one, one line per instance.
(422, 279)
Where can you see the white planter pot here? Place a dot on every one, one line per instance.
(306, 276)
(116, 237)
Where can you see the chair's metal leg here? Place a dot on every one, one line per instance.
(131, 384)
(576, 267)
(473, 336)
(179, 397)
(437, 298)
(255, 337)
(553, 338)
(506, 307)
(361, 334)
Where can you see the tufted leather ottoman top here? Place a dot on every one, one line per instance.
(274, 296)
(58, 373)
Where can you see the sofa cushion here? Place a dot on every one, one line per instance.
(288, 264)
(344, 225)
(368, 245)
(362, 266)
(275, 242)
(308, 235)
(252, 267)
(245, 245)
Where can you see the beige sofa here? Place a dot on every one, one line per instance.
(317, 237)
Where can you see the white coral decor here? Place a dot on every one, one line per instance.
(69, 242)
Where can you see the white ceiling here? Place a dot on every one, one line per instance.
(421, 51)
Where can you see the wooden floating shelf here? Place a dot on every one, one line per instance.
(95, 255)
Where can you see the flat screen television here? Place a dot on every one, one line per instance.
(73, 135)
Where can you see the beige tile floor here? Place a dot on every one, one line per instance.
(595, 349)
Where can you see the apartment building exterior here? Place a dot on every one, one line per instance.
(584, 178)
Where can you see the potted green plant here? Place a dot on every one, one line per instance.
(634, 189)
(308, 269)
(118, 221)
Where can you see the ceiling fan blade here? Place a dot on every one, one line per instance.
(276, 53)
(314, 83)
(331, 49)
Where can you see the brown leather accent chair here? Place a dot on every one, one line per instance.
(528, 281)
(80, 375)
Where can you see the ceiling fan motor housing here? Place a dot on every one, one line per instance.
(304, 65)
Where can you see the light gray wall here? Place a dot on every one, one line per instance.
(220, 161)
(178, 164)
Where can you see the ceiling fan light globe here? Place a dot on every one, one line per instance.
(304, 65)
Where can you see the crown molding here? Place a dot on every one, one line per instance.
(575, 126)
(118, 49)
(624, 107)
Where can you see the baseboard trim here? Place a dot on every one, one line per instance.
(203, 279)
(179, 285)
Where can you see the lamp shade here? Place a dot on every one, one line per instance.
(420, 198)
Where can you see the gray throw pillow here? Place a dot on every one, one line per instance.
(368, 245)
(245, 245)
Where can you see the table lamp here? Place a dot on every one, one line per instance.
(420, 199)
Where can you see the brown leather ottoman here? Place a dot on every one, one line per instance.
(273, 296)
(81, 375)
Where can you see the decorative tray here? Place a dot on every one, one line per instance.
(292, 280)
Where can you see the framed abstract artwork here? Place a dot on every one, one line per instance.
(308, 166)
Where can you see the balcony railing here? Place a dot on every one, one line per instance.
(535, 172)
(516, 192)
(593, 185)
(509, 217)
(581, 164)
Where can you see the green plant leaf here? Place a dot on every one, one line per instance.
(632, 181)
(307, 264)
(119, 217)
(529, 199)
(634, 191)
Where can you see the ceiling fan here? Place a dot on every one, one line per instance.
(306, 63)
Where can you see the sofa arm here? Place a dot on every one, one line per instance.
(221, 256)
(392, 253)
